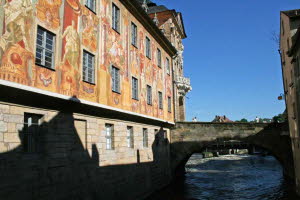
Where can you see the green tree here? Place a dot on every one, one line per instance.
(280, 118)
(244, 120)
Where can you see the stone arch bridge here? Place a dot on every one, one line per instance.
(194, 137)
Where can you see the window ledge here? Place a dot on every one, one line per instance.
(116, 30)
(116, 92)
(91, 10)
(89, 82)
(135, 46)
(52, 69)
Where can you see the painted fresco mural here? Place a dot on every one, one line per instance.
(76, 29)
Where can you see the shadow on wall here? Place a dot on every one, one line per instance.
(193, 138)
(52, 163)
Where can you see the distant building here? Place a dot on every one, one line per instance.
(289, 50)
(221, 119)
(170, 22)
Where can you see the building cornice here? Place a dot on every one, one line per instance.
(136, 10)
(80, 101)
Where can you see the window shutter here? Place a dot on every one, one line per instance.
(113, 16)
(118, 19)
(118, 80)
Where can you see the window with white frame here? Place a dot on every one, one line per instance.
(168, 66)
(130, 137)
(165, 134)
(135, 88)
(160, 100)
(158, 58)
(91, 4)
(115, 18)
(149, 95)
(148, 47)
(31, 137)
(109, 135)
(88, 67)
(133, 34)
(169, 104)
(45, 46)
(145, 137)
(115, 75)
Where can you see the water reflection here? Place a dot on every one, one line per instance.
(231, 177)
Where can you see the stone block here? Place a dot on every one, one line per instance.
(13, 118)
(19, 127)
(3, 147)
(92, 131)
(92, 126)
(15, 110)
(95, 139)
(13, 145)
(3, 126)
(12, 137)
(11, 127)
(4, 109)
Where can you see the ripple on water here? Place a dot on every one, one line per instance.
(235, 177)
(231, 177)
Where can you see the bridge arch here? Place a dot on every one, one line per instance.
(193, 137)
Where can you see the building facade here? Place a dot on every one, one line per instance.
(170, 22)
(289, 51)
(87, 99)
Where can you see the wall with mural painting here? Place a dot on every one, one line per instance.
(76, 29)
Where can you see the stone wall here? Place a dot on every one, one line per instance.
(72, 161)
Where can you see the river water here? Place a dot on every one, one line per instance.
(230, 177)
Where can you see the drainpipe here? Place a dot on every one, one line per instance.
(284, 86)
(174, 85)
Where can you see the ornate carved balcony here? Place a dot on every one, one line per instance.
(183, 84)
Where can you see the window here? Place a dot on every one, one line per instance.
(165, 134)
(91, 4)
(145, 137)
(32, 123)
(135, 88)
(133, 34)
(115, 18)
(130, 137)
(169, 105)
(148, 47)
(109, 135)
(168, 65)
(158, 58)
(115, 75)
(149, 95)
(45, 45)
(88, 68)
(160, 100)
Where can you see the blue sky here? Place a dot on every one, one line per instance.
(230, 57)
